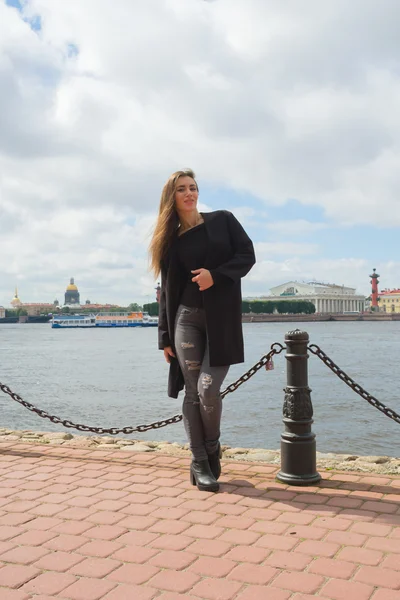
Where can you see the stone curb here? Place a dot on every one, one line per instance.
(329, 461)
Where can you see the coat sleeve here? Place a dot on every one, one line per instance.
(163, 336)
(244, 257)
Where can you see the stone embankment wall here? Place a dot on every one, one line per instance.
(276, 318)
(337, 462)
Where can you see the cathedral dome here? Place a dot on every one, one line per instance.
(71, 294)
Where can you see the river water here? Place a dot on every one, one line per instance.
(118, 377)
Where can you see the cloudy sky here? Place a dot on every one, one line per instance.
(287, 111)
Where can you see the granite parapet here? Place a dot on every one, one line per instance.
(326, 461)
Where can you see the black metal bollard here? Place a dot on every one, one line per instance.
(298, 446)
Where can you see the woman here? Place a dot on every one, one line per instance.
(202, 257)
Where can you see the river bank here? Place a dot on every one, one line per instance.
(262, 318)
(325, 461)
(321, 317)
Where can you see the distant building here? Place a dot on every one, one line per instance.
(326, 297)
(16, 302)
(2, 312)
(389, 301)
(97, 307)
(33, 309)
(72, 297)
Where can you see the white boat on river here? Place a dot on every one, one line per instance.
(73, 321)
(112, 319)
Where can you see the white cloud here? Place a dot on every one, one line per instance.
(296, 227)
(266, 98)
(285, 248)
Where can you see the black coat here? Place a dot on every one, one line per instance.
(230, 256)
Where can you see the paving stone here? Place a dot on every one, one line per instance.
(23, 555)
(49, 583)
(172, 559)
(386, 595)
(7, 594)
(216, 589)
(379, 577)
(100, 525)
(391, 562)
(329, 567)
(174, 581)
(88, 589)
(58, 561)
(131, 592)
(299, 582)
(248, 554)
(94, 567)
(209, 547)
(65, 542)
(212, 567)
(133, 573)
(14, 576)
(136, 554)
(105, 532)
(238, 536)
(339, 589)
(258, 592)
(288, 560)
(250, 573)
(316, 548)
(99, 548)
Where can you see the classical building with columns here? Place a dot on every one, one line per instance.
(326, 297)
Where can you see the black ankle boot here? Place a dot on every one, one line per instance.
(214, 462)
(201, 475)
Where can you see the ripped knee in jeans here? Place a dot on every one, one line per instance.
(191, 399)
(193, 365)
(206, 380)
(186, 345)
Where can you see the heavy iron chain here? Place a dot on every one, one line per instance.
(316, 350)
(275, 349)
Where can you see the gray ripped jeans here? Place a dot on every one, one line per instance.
(202, 405)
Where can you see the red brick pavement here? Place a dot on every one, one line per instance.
(89, 525)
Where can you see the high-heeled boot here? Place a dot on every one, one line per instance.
(214, 462)
(201, 475)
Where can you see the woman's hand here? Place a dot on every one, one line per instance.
(203, 279)
(168, 353)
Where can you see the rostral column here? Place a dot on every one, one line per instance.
(374, 294)
(158, 292)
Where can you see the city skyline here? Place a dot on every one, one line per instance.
(287, 114)
(149, 299)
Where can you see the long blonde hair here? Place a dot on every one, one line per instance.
(167, 222)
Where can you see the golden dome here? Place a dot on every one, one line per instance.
(72, 287)
(16, 301)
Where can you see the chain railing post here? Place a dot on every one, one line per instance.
(298, 446)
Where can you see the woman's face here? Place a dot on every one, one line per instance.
(186, 195)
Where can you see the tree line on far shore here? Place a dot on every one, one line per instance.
(282, 307)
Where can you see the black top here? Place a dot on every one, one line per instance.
(192, 251)
(230, 256)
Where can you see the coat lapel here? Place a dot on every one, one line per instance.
(208, 217)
